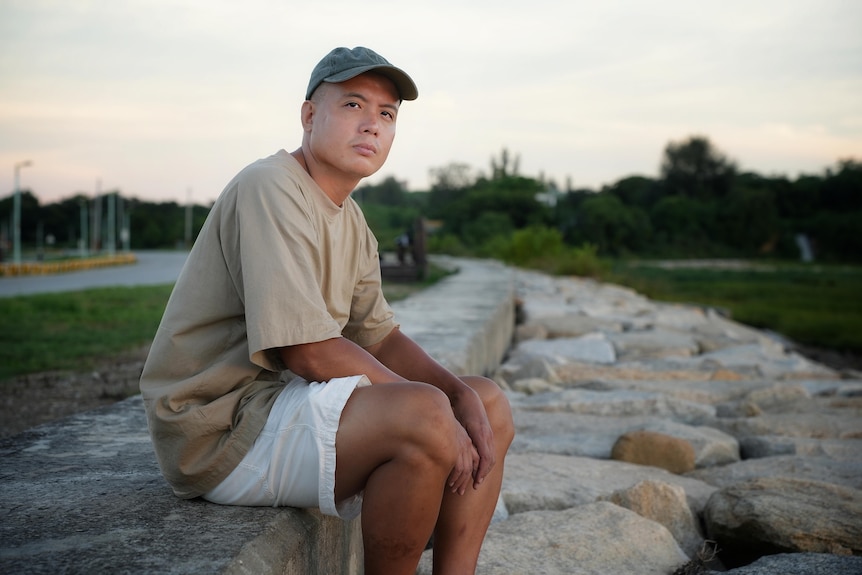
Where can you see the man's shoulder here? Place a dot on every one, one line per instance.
(280, 164)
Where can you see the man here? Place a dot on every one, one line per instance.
(278, 375)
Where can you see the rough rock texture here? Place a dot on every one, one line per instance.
(665, 504)
(775, 440)
(655, 449)
(800, 564)
(585, 540)
(775, 514)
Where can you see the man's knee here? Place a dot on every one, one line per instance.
(432, 425)
(496, 406)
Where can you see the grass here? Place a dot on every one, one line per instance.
(819, 306)
(69, 331)
(814, 305)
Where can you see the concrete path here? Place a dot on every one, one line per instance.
(153, 268)
(84, 494)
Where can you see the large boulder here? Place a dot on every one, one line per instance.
(780, 514)
(655, 449)
(846, 472)
(536, 481)
(666, 504)
(800, 564)
(586, 540)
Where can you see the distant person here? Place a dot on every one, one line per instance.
(402, 244)
(278, 375)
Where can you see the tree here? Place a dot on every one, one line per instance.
(389, 192)
(636, 191)
(612, 226)
(842, 190)
(749, 219)
(695, 169)
(506, 167)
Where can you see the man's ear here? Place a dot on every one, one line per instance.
(307, 115)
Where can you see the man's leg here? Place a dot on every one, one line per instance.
(397, 442)
(464, 519)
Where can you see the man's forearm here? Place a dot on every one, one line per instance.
(405, 357)
(337, 357)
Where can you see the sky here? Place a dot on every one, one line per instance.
(166, 100)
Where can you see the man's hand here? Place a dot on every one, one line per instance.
(477, 448)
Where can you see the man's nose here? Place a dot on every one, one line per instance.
(371, 124)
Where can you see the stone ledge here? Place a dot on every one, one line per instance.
(84, 494)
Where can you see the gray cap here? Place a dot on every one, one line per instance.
(343, 64)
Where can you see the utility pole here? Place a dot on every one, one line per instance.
(85, 218)
(97, 219)
(112, 223)
(189, 219)
(16, 213)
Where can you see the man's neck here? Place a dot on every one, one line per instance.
(336, 189)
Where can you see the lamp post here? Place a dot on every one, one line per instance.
(16, 214)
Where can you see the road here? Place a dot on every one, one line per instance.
(152, 268)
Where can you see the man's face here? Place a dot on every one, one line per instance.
(351, 125)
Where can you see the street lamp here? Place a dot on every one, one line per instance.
(16, 217)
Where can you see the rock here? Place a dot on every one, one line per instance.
(655, 343)
(655, 449)
(704, 390)
(711, 446)
(585, 540)
(770, 445)
(533, 385)
(593, 348)
(618, 403)
(535, 481)
(769, 359)
(846, 472)
(777, 395)
(665, 504)
(780, 514)
(527, 367)
(800, 564)
(595, 362)
(571, 433)
(574, 325)
(524, 332)
(816, 422)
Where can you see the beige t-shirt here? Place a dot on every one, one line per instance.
(276, 264)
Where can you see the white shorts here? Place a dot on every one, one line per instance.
(292, 461)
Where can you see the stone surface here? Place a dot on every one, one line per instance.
(779, 514)
(800, 564)
(593, 348)
(535, 481)
(596, 538)
(84, 495)
(655, 449)
(593, 362)
(846, 472)
(666, 504)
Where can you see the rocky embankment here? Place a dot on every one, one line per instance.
(650, 435)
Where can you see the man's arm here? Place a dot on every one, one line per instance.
(336, 357)
(398, 358)
(405, 357)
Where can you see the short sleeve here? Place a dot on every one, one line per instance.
(280, 264)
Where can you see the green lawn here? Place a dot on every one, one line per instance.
(819, 306)
(814, 305)
(64, 331)
(67, 331)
